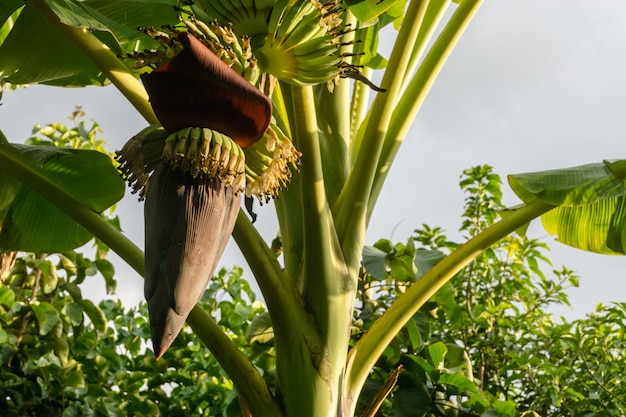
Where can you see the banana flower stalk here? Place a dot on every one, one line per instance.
(208, 113)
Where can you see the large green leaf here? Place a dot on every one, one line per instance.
(598, 227)
(8, 7)
(579, 185)
(591, 200)
(31, 223)
(35, 51)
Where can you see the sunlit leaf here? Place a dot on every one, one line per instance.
(592, 206)
(402, 268)
(426, 259)
(107, 270)
(7, 297)
(7, 8)
(447, 299)
(457, 380)
(74, 312)
(49, 279)
(414, 335)
(367, 39)
(505, 408)
(579, 185)
(599, 227)
(75, 382)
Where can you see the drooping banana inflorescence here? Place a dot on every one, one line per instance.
(217, 138)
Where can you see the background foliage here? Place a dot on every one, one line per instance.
(486, 344)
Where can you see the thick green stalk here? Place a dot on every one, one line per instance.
(367, 350)
(300, 351)
(249, 383)
(115, 70)
(289, 205)
(379, 114)
(283, 300)
(327, 287)
(322, 278)
(334, 122)
(358, 106)
(351, 207)
(417, 90)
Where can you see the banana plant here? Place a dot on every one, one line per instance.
(277, 103)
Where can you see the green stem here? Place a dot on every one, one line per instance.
(367, 350)
(280, 111)
(282, 298)
(434, 14)
(289, 214)
(334, 122)
(351, 207)
(417, 90)
(104, 59)
(289, 205)
(334, 139)
(299, 347)
(309, 375)
(249, 383)
(360, 100)
(25, 170)
(321, 257)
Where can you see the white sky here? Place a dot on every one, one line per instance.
(533, 85)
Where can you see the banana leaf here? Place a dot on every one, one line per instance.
(29, 222)
(35, 51)
(590, 200)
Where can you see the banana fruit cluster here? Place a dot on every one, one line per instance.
(302, 45)
(261, 170)
(202, 151)
(296, 41)
(234, 51)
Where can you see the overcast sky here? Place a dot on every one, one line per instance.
(533, 85)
